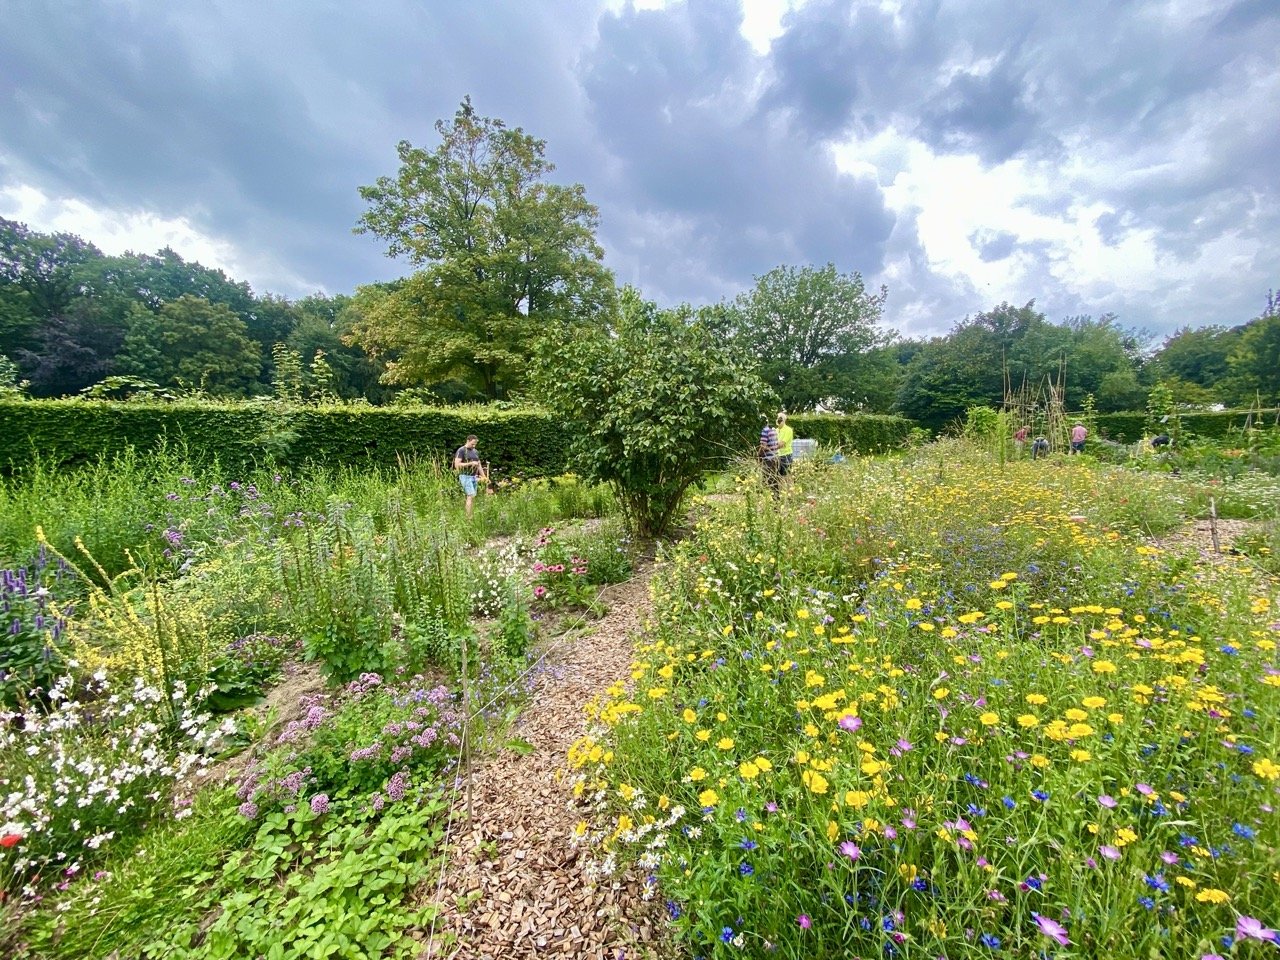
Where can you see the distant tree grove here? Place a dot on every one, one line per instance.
(506, 268)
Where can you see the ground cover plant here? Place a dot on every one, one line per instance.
(942, 706)
(148, 604)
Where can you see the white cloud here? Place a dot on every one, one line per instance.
(140, 231)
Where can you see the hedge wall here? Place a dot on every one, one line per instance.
(853, 433)
(1214, 425)
(524, 443)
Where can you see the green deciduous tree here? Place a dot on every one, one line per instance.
(507, 257)
(653, 402)
(192, 342)
(815, 331)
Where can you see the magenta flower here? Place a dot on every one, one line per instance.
(1251, 928)
(1145, 789)
(1052, 929)
(850, 722)
(850, 850)
(1110, 852)
(1107, 801)
(804, 921)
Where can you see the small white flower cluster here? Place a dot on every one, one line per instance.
(94, 762)
(495, 578)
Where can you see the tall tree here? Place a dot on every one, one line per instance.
(507, 256)
(814, 330)
(191, 342)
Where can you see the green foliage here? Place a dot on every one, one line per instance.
(864, 433)
(518, 443)
(11, 387)
(286, 374)
(652, 404)
(509, 257)
(1215, 425)
(190, 341)
(815, 331)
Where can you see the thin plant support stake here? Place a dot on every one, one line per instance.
(1213, 524)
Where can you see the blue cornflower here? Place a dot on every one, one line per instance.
(746, 869)
(673, 910)
(1248, 713)
(1009, 803)
(1244, 748)
(1186, 840)
(1040, 795)
(1240, 830)
(886, 923)
(990, 940)
(919, 884)
(726, 934)
(976, 811)
(1157, 882)
(1147, 902)
(864, 923)
(1034, 883)
(740, 815)
(1228, 649)
(748, 844)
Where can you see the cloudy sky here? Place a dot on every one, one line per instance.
(1097, 156)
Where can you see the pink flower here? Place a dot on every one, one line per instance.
(1107, 801)
(1110, 852)
(1251, 928)
(850, 850)
(850, 722)
(1052, 929)
(804, 921)
(1144, 789)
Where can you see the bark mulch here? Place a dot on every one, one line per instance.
(513, 885)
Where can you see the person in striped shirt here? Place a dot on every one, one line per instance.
(769, 458)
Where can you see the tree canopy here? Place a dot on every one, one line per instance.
(506, 255)
(815, 333)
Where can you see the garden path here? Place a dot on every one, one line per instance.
(513, 885)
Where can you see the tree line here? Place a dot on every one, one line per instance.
(507, 269)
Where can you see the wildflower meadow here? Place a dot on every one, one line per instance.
(947, 707)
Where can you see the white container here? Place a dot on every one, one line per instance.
(803, 449)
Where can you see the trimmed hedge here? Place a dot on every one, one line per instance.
(525, 443)
(853, 432)
(1213, 425)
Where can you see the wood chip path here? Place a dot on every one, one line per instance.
(513, 885)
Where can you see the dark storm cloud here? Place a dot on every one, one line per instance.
(710, 162)
(671, 97)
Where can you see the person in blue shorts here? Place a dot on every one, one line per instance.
(466, 463)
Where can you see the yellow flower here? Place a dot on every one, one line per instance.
(941, 693)
(833, 831)
(1004, 605)
(1028, 720)
(1079, 730)
(763, 763)
(1104, 666)
(997, 584)
(815, 781)
(1266, 769)
(1115, 718)
(749, 770)
(1125, 836)
(708, 798)
(857, 799)
(1213, 895)
(666, 672)
(1075, 714)
(802, 614)
(989, 719)
(913, 604)
(657, 693)
(663, 801)
(926, 627)
(1081, 756)
(697, 773)
(1039, 760)
(872, 766)
(1093, 703)
(688, 716)
(1037, 699)
(703, 735)
(814, 679)
(725, 743)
